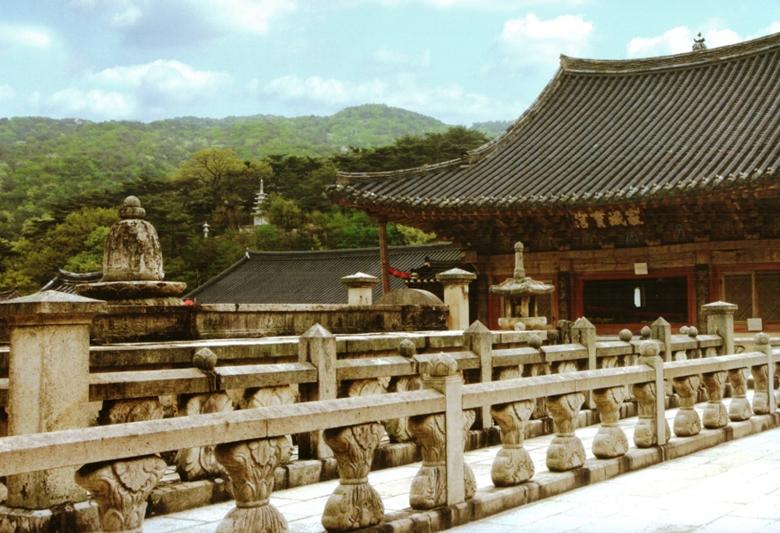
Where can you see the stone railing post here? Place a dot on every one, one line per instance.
(583, 332)
(48, 387)
(443, 478)
(739, 407)
(720, 321)
(651, 429)
(687, 422)
(661, 331)
(512, 464)
(318, 347)
(360, 288)
(715, 414)
(251, 465)
(764, 400)
(479, 340)
(565, 451)
(456, 296)
(610, 441)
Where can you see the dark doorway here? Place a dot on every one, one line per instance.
(635, 301)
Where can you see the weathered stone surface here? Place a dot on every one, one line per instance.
(645, 431)
(761, 390)
(739, 407)
(565, 451)
(398, 428)
(429, 486)
(251, 466)
(200, 463)
(687, 421)
(121, 489)
(132, 249)
(610, 441)
(512, 464)
(354, 504)
(715, 414)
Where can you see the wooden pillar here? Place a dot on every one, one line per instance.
(384, 257)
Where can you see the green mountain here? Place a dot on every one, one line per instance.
(43, 160)
(492, 128)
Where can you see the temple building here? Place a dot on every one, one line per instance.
(639, 187)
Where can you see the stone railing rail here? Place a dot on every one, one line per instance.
(359, 357)
(249, 443)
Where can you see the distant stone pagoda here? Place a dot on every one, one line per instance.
(259, 217)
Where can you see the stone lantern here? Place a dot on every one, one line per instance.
(519, 297)
(133, 263)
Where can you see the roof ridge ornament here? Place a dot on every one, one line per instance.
(698, 43)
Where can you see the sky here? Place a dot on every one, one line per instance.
(461, 61)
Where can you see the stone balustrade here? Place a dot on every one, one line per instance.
(148, 381)
(119, 465)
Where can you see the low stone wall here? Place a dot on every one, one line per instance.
(260, 320)
(136, 323)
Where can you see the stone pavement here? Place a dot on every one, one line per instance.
(732, 487)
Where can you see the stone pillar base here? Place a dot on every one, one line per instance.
(82, 516)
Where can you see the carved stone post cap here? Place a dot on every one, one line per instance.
(478, 327)
(719, 307)
(407, 348)
(761, 339)
(205, 359)
(456, 276)
(693, 331)
(519, 247)
(131, 208)
(45, 306)
(661, 321)
(359, 280)
(534, 341)
(684, 330)
(583, 323)
(625, 335)
(317, 331)
(645, 332)
(442, 365)
(648, 349)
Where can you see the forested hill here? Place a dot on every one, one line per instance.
(43, 161)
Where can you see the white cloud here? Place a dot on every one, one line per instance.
(94, 103)
(535, 40)
(318, 94)
(679, 40)
(20, 35)
(477, 5)
(774, 27)
(155, 22)
(168, 77)
(385, 54)
(7, 92)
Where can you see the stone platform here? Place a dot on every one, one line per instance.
(716, 485)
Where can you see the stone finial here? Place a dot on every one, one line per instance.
(204, 359)
(684, 330)
(442, 365)
(534, 341)
(625, 335)
(456, 276)
(698, 43)
(519, 263)
(693, 331)
(359, 280)
(761, 338)
(648, 349)
(407, 348)
(719, 307)
(645, 332)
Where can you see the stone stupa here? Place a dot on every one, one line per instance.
(519, 294)
(133, 264)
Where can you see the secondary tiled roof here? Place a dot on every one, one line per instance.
(66, 281)
(312, 276)
(610, 131)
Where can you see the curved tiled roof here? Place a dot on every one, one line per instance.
(312, 276)
(608, 131)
